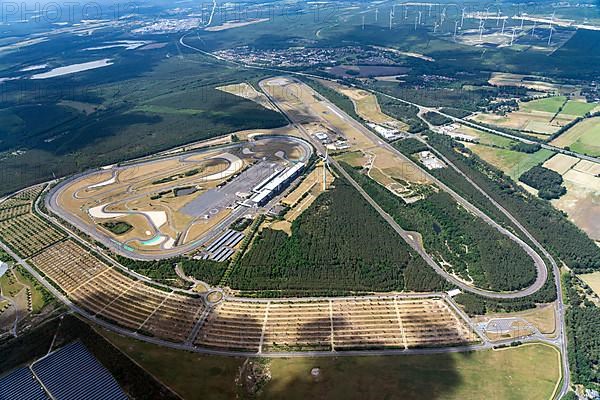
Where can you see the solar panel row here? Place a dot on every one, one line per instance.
(73, 373)
(21, 385)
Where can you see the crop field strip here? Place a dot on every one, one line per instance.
(108, 294)
(340, 324)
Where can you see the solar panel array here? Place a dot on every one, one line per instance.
(21, 385)
(73, 373)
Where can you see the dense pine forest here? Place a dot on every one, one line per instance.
(339, 244)
(451, 234)
(548, 182)
(583, 321)
(551, 227)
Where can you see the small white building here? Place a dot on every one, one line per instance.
(430, 161)
(321, 136)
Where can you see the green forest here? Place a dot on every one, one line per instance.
(555, 232)
(583, 324)
(548, 182)
(338, 244)
(450, 233)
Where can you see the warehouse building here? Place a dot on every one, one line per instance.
(273, 186)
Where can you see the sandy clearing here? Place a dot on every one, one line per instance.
(561, 163)
(107, 182)
(158, 218)
(98, 212)
(74, 68)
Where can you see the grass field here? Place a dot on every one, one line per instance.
(513, 163)
(549, 104)
(582, 138)
(445, 376)
(578, 108)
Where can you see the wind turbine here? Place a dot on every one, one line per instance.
(420, 14)
(416, 22)
(522, 21)
(455, 29)
(430, 5)
(498, 18)
(391, 19)
(376, 14)
(435, 26)
(325, 167)
(406, 12)
(550, 37)
(462, 18)
(481, 25)
(363, 23)
(503, 25)
(512, 39)
(551, 28)
(534, 26)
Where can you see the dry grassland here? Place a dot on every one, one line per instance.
(366, 105)
(592, 280)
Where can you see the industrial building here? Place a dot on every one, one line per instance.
(274, 185)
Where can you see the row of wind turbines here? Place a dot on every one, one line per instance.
(459, 23)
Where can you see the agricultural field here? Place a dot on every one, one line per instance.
(340, 324)
(581, 202)
(443, 376)
(513, 163)
(582, 138)
(540, 117)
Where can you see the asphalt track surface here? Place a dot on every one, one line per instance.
(541, 269)
(52, 203)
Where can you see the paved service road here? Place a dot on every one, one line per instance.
(542, 270)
